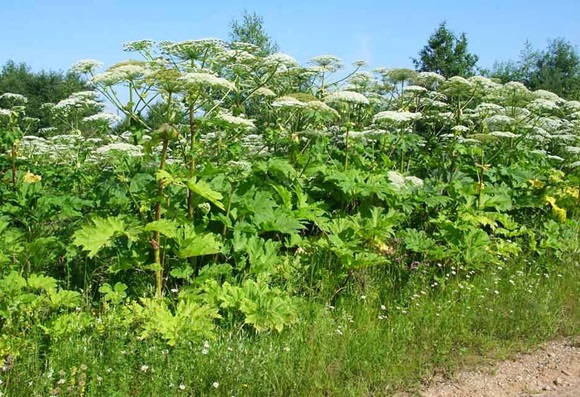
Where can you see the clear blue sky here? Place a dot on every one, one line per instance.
(53, 34)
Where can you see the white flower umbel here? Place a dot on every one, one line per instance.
(347, 96)
(138, 45)
(572, 106)
(483, 82)
(321, 107)
(264, 91)
(396, 178)
(414, 181)
(85, 66)
(201, 79)
(416, 89)
(361, 79)
(547, 95)
(503, 134)
(104, 117)
(460, 128)
(78, 100)
(431, 77)
(6, 113)
(556, 158)
(124, 71)
(542, 104)
(126, 148)
(575, 164)
(236, 121)
(498, 119)
(326, 63)
(279, 58)
(397, 117)
(573, 149)
(488, 108)
(288, 102)
(360, 64)
(14, 97)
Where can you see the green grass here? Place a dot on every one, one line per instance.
(376, 341)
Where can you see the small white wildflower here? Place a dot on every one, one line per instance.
(383, 307)
(215, 385)
(338, 331)
(144, 368)
(181, 386)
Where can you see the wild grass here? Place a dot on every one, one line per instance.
(378, 339)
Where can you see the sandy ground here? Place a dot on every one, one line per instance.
(551, 371)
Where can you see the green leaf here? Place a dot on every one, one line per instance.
(94, 237)
(64, 298)
(165, 227)
(202, 188)
(199, 245)
(43, 282)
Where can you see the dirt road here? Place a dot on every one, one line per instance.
(551, 371)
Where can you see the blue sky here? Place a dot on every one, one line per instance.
(53, 34)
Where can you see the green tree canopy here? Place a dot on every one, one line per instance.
(39, 88)
(555, 69)
(251, 30)
(446, 54)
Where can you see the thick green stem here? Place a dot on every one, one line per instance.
(191, 162)
(156, 243)
(13, 164)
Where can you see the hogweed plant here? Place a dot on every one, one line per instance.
(242, 184)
